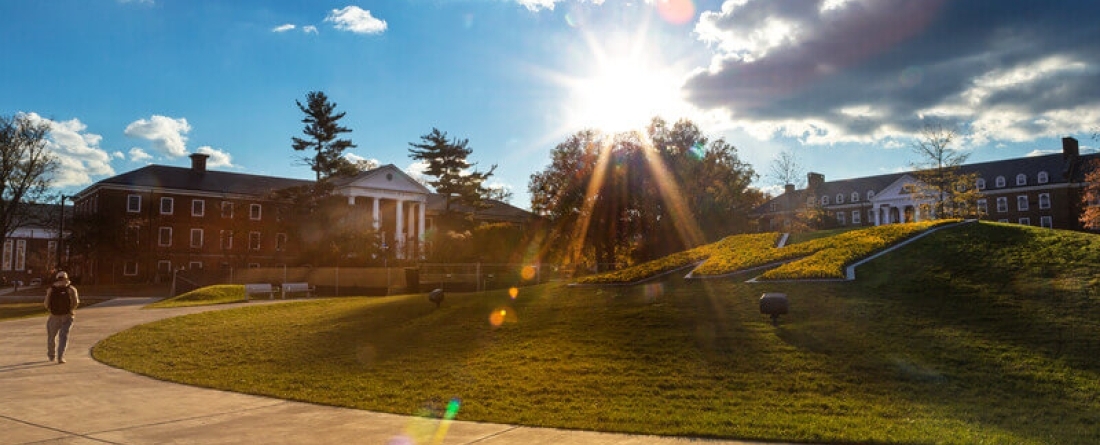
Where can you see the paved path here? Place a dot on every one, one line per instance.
(87, 402)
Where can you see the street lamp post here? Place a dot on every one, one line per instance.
(61, 233)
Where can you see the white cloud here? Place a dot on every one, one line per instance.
(138, 155)
(147, 2)
(78, 153)
(536, 5)
(309, 29)
(167, 134)
(283, 28)
(356, 20)
(218, 158)
(363, 163)
(118, 155)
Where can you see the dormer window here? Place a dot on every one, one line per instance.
(840, 198)
(870, 194)
(980, 183)
(1021, 179)
(1043, 178)
(1000, 181)
(855, 196)
(824, 200)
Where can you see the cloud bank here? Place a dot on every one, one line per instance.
(77, 151)
(356, 20)
(831, 71)
(168, 135)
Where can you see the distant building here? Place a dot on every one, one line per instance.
(1040, 191)
(30, 252)
(168, 218)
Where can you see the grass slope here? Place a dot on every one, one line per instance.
(218, 294)
(981, 334)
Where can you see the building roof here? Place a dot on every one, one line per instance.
(497, 210)
(180, 178)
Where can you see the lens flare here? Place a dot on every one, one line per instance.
(528, 273)
(698, 151)
(653, 291)
(501, 315)
(676, 12)
(513, 292)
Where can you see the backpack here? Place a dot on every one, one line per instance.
(60, 303)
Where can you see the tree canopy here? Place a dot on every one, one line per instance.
(1090, 199)
(323, 130)
(26, 164)
(952, 194)
(635, 196)
(447, 164)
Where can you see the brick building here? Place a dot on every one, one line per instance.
(1040, 191)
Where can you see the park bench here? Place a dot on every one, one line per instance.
(260, 288)
(289, 288)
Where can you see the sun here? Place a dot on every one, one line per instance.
(624, 93)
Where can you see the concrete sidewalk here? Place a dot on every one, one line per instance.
(86, 402)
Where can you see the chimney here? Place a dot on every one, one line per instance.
(814, 180)
(1070, 150)
(788, 188)
(198, 163)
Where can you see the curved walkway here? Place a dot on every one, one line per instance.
(87, 402)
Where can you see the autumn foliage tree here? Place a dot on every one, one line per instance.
(1090, 199)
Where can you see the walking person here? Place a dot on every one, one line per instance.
(61, 301)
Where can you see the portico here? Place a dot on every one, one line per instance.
(897, 204)
(398, 206)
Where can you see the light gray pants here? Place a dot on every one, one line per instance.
(58, 326)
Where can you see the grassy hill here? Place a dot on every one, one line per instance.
(984, 333)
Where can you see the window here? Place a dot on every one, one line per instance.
(840, 198)
(855, 196)
(870, 215)
(166, 206)
(1021, 179)
(1021, 202)
(856, 216)
(130, 268)
(1046, 222)
(198, 207)
(1002, 204)
(824, 200)
(254, 212)
(227, 209)
(980, 183)
(227, 239)
(280, 241)
(983, 207)
(1000, 181)
(870, 194)
(133, 203)
(196, 238)
(1044, 200)
(840, 218)
(254, 240)
(1025, 221)
(771, 206)
(195, 265)
(1043, 178)
(164, 267)
(133, 235)
(164, 237)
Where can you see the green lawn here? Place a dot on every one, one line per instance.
(981, 334)
(219, 294)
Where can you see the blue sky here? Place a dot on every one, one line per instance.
(843, 84)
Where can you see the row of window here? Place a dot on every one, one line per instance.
(198, 207)
(130, 268)
(1022, 203)
(164, 239)
(1021, 179)
(1044, 221)
(840, 198)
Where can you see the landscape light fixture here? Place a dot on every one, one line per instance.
(774, 304)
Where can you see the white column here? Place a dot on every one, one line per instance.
(399, 228)
(916, 213)
(374, 215)
(878, 214)
(421, 237)
(351, 200)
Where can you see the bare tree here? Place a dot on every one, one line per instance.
(785, 169)
(26, 165)
(951, 194)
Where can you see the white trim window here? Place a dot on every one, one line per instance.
(1000, 181)
(1044, 200)
(254, 240)
(164, 237)
(167, 206)
(164, 267)
(856, 217)
(227, 239)
(840, 218)
(133, 203)
(840, 198)
(1046, 222)
(198, 207)
(227, 209)
(980, 183)
(1021, 179)
(195, 265)
(196, 238)
(130, 268)
(870, 194)
(824, 200)
(1002, 204)
(1025, 221)
(983, 207)
(254, 212)
(855, 196)
(1021, 202)
(1043, 177)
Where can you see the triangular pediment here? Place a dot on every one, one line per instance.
(899, 190)
(387, 178)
